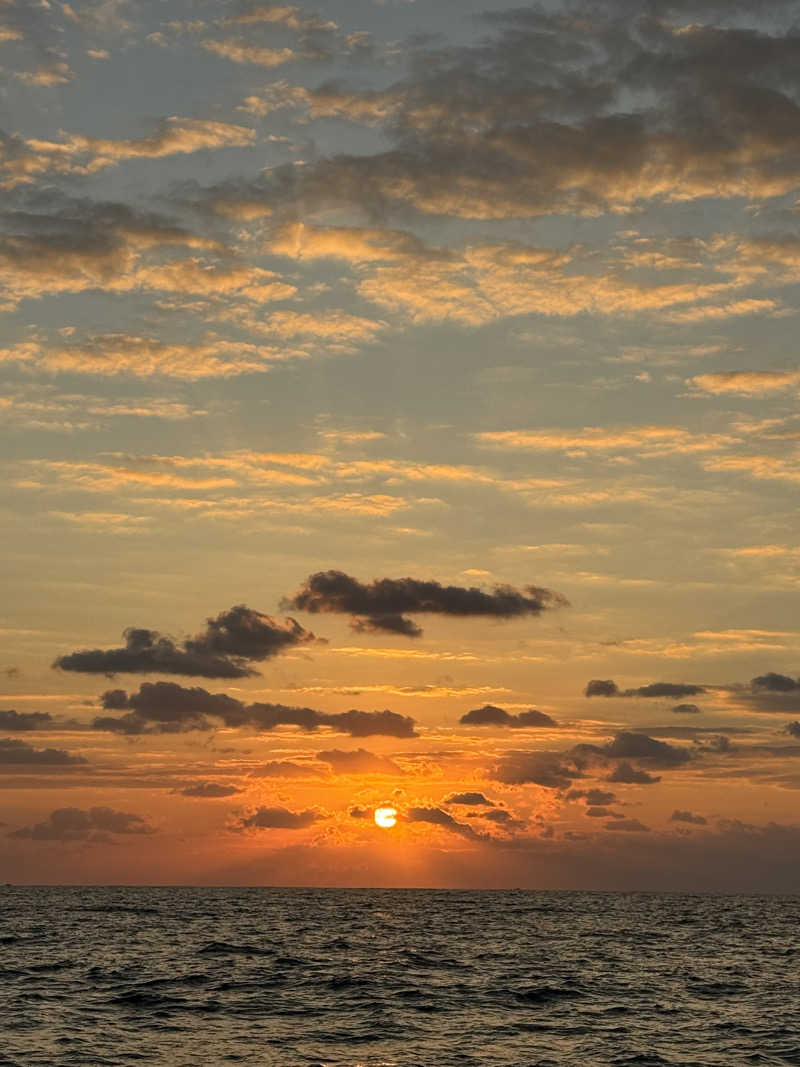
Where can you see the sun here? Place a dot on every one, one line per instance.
(386, 817)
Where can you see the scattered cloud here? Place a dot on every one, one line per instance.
(489, 715)
(230, 642)
(382, 605)
(74, 824)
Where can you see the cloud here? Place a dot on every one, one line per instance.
(358, 761)
(629, 745)
(553, 770)
(746, 382)
(472, 799)
(606, 688)
(166, 707)
(277, 819)
(15, 753)
(286, 769)
(210, 790)
(478, 131)
(626, 774)
(648, 441)
(489, 715)
(25, 720)
(687, 816)
(627, 826)
(74, 824)
(438, 817)
(593, 797)
(686, 709)
(382, 604)
(793, 729)
(241, 52)
(79, 155)
(776, 683)
(224, 649)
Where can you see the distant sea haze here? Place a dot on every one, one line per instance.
(178, 977)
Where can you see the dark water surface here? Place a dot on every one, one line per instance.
(394, 978)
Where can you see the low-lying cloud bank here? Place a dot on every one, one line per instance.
(168, 708)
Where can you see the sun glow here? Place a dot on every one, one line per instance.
(386, 817)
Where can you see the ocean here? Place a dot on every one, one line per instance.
(189, 977)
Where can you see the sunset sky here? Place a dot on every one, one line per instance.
(400, 408)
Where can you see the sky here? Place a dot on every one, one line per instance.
(400, 409)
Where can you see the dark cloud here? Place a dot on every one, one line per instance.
(502, 818)
(627, 826)
(472, 799)
(15, 753)
(688, 816)
(360, 813)
(626, 774)
(659, 754)
(372, 723)
(601, 813)
(25, 720)
(489, 715)
(553, 770)
(607, 688)
(776, 683)
(277, 819)
(593, 797)
(793, 728)
(769, 694)
(166, 707)
(211, 790)
(224, 649)
(438, 817)
(600, 687)
(686, 709)
(382, 605)
(74, 824)
(358, 761)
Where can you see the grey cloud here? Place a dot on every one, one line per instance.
(688, 816)
(438, 817)
(626, 774)
(15, 753)
(553, 113)
(686, 709)
(382, 605)
(593, 797)
(24, 720)
(74, 824)
(659, 754)
(224, 649)
(360, 813)
(675, 690)
(358, 761)
(776, 683)
(793, 728)
(472, 799)
(211, 790)
(502, 818)
(489, 715)
(553, 770)
(166, 707)
(601, 813)
(277, 819)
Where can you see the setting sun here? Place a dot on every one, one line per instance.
(386, 817)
